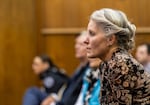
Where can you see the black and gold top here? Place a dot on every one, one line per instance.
(124, 81)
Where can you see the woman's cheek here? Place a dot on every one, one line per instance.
(93, 41)
(95, 44)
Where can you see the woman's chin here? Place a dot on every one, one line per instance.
(91, 56)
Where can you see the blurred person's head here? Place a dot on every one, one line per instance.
(107, 30)
(143, 53)
(41, 63)
(80, 48)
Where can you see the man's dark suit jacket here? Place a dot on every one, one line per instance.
(74, 86)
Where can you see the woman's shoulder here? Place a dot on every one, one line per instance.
(125, 62)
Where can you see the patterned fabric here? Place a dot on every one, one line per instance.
(91, 87)
(124, 81)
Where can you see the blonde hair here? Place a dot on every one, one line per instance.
(115, 22)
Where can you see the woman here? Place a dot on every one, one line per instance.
(123, 80)
(52, 80)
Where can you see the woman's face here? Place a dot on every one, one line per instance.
(38, 65)
(96, 41)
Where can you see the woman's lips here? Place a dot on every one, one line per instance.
(88, 49)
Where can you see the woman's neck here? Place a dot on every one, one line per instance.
(109, 54)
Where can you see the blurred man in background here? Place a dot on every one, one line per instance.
(143, 55)
(73, 88)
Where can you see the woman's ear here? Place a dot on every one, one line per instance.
(111, 40)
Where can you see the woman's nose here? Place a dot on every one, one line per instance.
(86, 41)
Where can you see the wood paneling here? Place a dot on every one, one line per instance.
(68, 31)
(75, 13)
(18, 45)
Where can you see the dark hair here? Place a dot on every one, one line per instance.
(46, 59)
(148, 47)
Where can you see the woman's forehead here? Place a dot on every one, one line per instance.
(92, 26)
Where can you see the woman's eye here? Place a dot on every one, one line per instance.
(91, 33)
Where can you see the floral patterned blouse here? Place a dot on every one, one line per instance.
(124, 81)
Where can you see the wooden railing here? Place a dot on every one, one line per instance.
(68, 31)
